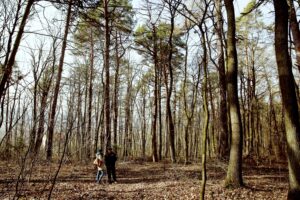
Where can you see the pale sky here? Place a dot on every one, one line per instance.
(39, 25)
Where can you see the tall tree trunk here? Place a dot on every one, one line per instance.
(223, 135)
(116, 93)
(243, 98)
(288, 94)
(107, 75)
(253, 103)
(79, 118)
(7, 129)
(234, 171)
(189, 112)
(57, 84)
(22, 127)
(173, 9)
(84, 142)
(17, 140)
(91, 75)
(188, 117)
(102, 125)
(160, 125)
(295, 31)
(41, 122)
(11, 116)
(274, 129)
(99, 114)
(61, 130)
(155, 101)
(127, 133)
(32, 135)
(206, 113)
(144, 127)
(212, 133)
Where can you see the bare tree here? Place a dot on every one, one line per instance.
(234, 171)
(57, 84)
(223, 140)
(289, 100)
(107, 31)
(8, 66)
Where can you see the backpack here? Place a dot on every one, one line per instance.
(98, 162)
(95, 161)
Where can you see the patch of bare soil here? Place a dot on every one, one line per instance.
(142, 181)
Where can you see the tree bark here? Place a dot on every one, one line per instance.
(206, 113)
(188, 117)
(41, 121)
(173, 10)
(79, 118)
(295, 32)
(40, 129)
(160, 125)
(91, 75)
(234, 171)
(155, 100)
(57, 84)
(289, 100)
(107, 76)
(116, 93)
(144, 126)
(223, 149)
(126, 144)
(274, 129)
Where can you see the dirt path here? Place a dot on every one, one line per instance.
(145, 181)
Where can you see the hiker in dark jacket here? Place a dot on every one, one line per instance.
(110, 162)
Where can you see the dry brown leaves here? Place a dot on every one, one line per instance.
(147, 181)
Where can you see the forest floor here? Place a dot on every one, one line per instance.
(144, 180)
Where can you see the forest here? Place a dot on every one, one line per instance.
(197, 99)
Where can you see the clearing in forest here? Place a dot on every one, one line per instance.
(144, 180)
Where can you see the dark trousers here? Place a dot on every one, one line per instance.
(111, 172)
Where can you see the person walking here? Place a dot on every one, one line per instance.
(110, 159)
(99, 163)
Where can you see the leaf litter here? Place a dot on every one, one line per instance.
(144, 180)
